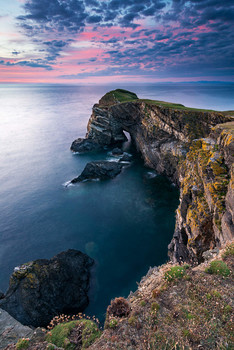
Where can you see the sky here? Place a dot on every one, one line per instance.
(106, 41)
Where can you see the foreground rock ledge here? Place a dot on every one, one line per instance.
(41, 289)
(11, 330)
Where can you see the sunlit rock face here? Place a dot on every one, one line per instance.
(192, 147)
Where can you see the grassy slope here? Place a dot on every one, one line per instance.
(178, 308)
(123, 96)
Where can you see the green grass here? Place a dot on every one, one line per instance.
(117, 96)
(59, 335)
(113, 323)
(22, 344)
(218, 267)
(124, 95)
(174, 105)
(175, 272)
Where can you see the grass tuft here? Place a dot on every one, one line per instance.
(218, 267)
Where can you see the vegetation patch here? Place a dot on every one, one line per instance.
(218, 267)
(74, 334)
(22, 343)
(229, 251)
(175, 272)
(119, 307)
(117, 96)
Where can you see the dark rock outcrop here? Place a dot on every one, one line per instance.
(41, 289)
(102, 170)
(164, 134)
(85, 145)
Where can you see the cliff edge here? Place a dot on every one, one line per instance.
(193, 147)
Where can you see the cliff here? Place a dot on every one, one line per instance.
(193, 147)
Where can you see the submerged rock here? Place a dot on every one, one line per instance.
(126, 158)
(117, 151)
(11, 330)
(41, 289)
(85, 145)
(101, 170)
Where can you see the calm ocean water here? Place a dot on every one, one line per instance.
(124, 224)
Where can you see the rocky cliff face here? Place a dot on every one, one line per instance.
(194, 148)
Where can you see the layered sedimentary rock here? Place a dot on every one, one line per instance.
(41, 289)
(194, 148)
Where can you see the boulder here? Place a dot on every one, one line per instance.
(11, 330)
(101, 170)
(85, 145)
(41, 289)
(126, 158)
(117, 151)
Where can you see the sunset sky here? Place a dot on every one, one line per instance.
(104, 41)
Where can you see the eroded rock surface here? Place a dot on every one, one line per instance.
(41, 289)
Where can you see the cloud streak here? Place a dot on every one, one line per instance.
(152, 37)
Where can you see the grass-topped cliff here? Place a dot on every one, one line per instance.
(193, 147)
(121, 96)
(117, 96)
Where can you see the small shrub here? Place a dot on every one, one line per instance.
(155, 306)
(186, 332)
(156, 292)
(119, 307)
(50, 347)
(113, 323)
(22, 344)
(229, 251)
(190, 316)
(216, 294)
(175, 272)
(143, 303)
(227, 309)
(218, 267)
(209, 296)
(132, 320)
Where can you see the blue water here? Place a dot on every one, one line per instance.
(124, 224)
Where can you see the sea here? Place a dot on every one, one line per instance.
(124, 224)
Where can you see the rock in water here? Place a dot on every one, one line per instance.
(101, 170)
(41, 289)
(85, 145)
(117, 151)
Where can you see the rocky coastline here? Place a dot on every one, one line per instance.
(193, 148)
